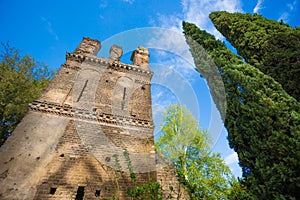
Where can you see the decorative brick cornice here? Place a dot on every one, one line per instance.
(132, 69)
(104, 62)
(71, 67)
(75, 57)
(70, 112)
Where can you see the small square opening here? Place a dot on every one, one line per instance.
(97, 193)
(52, 190)
(107, 159)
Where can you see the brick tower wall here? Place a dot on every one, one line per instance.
(71, 143)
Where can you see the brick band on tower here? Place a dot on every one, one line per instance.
(88, 131)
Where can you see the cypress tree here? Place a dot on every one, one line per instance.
(262, 120)
(271, 46)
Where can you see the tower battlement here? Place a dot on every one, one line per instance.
(72, 143)
(106, 85)
(88, 46)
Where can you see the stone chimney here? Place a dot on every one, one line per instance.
(115, 53)
(88, 46)
(140, 57)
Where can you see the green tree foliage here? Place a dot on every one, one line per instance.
(149, 191)
(22, 80)
(271, 46)
(262, 120)
(204, 174)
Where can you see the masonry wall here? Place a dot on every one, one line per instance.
(89, 130)
(75, 171)
(27, 152)
(57, 164)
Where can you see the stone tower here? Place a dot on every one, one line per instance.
(89, 135)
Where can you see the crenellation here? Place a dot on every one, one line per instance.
(75, 57)
(88, 46)
(74, 139)
(116, 65)
(115, 53)
(140, 57)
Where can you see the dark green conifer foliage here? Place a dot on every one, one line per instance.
(271, 46)
(262, 120)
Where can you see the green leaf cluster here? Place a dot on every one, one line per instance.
(262, 120)
(150, 191)
(204, 174)
(22, 80)
(271, 46)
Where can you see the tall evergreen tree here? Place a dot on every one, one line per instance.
(22, 80)
(271, 46)
(262, 120)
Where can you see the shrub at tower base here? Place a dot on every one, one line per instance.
(262, 120)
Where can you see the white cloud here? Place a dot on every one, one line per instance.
(129, 1)
(157, 95)
(172, 22)
(193, 11)
(49, 27)
(232, 158)
(258, 6)
(172, 51)
(103, 4)
(197, 12)
(171, 38)
(292, 5)
(162, 97)
(290, 9)
(284, 17)
(179, 64)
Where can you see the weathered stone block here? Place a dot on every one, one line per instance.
(73, 141)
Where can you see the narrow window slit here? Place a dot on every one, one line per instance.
(85, 84)
(80, 193)
(124, 93)
(124, 96)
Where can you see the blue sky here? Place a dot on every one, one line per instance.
(47, 30)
